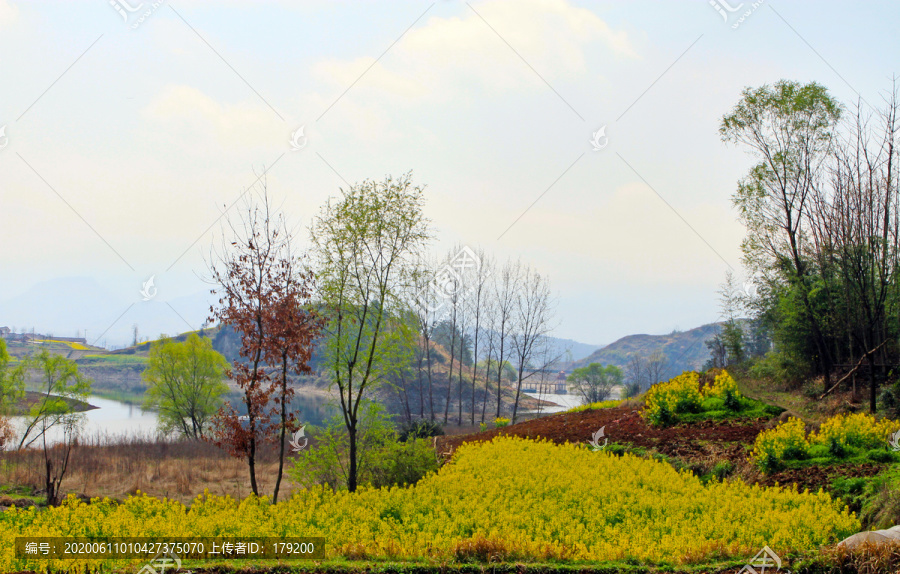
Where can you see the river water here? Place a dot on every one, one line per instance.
(118, 420)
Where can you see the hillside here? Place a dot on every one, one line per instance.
(685, 350)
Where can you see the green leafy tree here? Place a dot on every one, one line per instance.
(12, 380)
(594, 383)
(788, 127)
(185, 384)
(366, 244)
(63, 389)
(12, 389)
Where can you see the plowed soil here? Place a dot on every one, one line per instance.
(814, 477)
(622, 425)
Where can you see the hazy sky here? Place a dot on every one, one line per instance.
(125, 139)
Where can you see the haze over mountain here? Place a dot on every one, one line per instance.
(69, 306)
(685, 350)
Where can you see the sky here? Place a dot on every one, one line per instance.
(579, 137)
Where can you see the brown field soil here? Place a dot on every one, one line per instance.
(813, 477)
(623, 424)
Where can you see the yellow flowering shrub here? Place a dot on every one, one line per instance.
(723, 385)
(787, 441)
(679, 395)
(594, 406)
(501, 422)
(856, 430)
(521, 499)
(841, 434)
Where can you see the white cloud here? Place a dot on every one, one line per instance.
(197, 119)
(8, 13)
(445, 55)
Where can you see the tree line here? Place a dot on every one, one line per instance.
(823, 230)
(366, 293)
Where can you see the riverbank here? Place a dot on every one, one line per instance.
(30, 398)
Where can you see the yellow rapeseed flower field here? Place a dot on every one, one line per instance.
(532, 499)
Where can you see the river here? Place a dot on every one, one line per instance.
(117, 420)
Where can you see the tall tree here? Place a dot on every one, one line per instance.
(294, 327)
(788, 127)
(12, 388)
(533, 322)
(425, 302)
(477, 301)
(366, 244)
(855, 230)
(504, 292)
(263, 288)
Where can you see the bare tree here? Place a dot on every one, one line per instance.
(636, 371)
(505, 289)
(477, 301)
(533, 315)
(855, 228)
(424, 302)
(657, 366)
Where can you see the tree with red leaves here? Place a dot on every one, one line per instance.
(264, 291)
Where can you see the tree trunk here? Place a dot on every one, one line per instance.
(518, 393)
(474, 372)
(450, 373)
(459, 383)
(351, 477)
(283, 426)
(430, 376)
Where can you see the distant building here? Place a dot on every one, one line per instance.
(5, 332)
(555, 385)
(81, 340)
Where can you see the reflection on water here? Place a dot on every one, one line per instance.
(112, 419)
(115, 419)
(309, 409)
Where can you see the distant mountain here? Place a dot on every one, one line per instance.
(571, 350)
(685, 350)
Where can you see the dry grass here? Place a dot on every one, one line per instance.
(120, 467)
(867, 558)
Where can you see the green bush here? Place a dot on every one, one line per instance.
(383, 460)
(732, 401)
(836, 448)
(402, 463)
(422, 428)
(713, 404)
(723, 469)
(779, 367)
(888, 398)
(882, 455)
(819, 451)
(631, 390)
